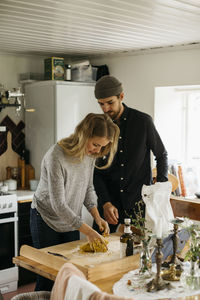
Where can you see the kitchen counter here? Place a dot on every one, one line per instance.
(23, 195)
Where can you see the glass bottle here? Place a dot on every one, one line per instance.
(68, 72)
(126, 240)
(15, 175)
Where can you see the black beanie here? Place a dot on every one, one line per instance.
(107, 86)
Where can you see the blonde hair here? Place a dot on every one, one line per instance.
(93, 125)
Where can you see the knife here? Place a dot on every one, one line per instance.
(58, 254)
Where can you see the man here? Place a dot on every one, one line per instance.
(119, 187)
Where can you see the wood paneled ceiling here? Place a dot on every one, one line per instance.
(96, 27)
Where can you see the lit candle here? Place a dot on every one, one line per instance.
(159, 228)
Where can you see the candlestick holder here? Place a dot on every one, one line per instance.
(158, 283)
(174, 260)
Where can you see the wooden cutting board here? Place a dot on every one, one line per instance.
(95, 266)
(8, 158)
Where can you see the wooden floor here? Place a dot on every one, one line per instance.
(22, 289)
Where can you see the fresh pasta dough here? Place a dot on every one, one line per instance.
(95, 246)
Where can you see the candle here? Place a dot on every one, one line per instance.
(159, 228)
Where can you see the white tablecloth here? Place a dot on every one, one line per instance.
(137, 288)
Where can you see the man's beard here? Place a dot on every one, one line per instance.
(113, 115)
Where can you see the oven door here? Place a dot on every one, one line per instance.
(8, 237)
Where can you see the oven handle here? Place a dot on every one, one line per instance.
(8, 220)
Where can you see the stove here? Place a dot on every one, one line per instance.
(9, 242)
(8, 203)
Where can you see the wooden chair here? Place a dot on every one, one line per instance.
(173, 179)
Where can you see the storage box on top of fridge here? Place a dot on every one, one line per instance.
(54, 68)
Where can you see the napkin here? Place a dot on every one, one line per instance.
(159, 213)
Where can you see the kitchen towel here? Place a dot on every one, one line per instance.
(79, 288)
(71, 283)
(159, 213)
(61, 282)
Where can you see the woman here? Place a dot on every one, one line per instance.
(66, 184)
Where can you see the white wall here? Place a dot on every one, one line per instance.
(10, 68)
(140, 74)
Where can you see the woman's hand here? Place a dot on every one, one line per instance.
(92, 235)
(103, 226)
(97, 241)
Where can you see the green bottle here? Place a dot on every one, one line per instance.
(126, 240)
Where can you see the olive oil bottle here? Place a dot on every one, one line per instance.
(126, 240)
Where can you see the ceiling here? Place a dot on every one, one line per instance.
(96, 27)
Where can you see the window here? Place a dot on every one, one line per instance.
(177, 111)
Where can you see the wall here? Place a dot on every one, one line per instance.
(140, 74)
(11, 66)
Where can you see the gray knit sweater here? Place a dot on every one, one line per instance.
(65, 186)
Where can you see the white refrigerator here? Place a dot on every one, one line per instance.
(59, 106)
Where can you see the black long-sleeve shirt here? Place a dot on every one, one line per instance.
(121, 183)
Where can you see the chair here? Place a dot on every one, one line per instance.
(172, 178)
(40, 295)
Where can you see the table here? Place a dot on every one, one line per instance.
(105, 284)
(94, 266)
(183, 207)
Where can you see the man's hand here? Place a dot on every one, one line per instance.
(110, 213)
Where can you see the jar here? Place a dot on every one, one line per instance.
(12, 184)
(15, 172)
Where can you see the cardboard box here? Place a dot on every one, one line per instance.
(54, 68)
